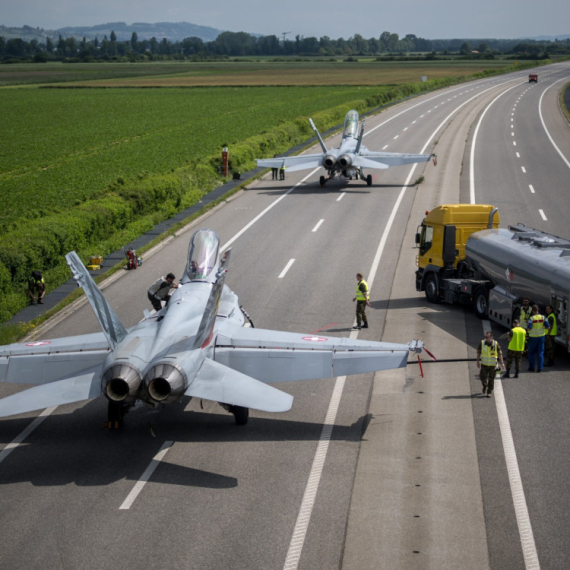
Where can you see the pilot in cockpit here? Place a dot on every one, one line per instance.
(202, 255)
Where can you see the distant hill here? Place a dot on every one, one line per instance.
(172, 31)
(25, 33)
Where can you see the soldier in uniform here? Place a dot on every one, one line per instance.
(552, 331)
(282, 172)
(159, 290)
(488, 353)
(526, 311)
(537, 329)
(517, 336)
(274, 171)
(36, 285)
(362, 301)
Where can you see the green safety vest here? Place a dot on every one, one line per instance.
(360, 296)
(517, 341)
(553, 328)
(489, 354)
(525, 316)
(537, 329)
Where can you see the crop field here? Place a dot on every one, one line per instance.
(61, 147)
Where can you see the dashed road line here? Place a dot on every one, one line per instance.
(531, 188)
(523, 169)
(287, 267)
(385, 146)
(341, 196)
(518, 155)
(131, 497)
(541, 212)
(318, 225)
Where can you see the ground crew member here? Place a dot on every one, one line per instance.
(362, 301)
(274, 171)
(526, 311)
(552, 331)
(488, 352)
(36, 284)
(537, 328)
(282, 172)
(159, 290)
(517, 336)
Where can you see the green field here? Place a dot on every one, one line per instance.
(61, 147)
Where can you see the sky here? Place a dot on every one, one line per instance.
(436, 19)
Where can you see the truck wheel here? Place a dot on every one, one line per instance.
(432, 289)
(481, 303)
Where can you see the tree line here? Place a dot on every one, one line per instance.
(236, 44)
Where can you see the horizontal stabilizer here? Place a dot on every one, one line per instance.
(366, 163)
(390, 159)
(84, 387)
(292, 163)
(219, 383)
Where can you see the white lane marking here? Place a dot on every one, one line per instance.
(514, 143)
(282, 274)
(406, 129)
(429, 111)
(308, 501)
(544, 124)
(24, 434)
(413, 122)
(385, 146)
(139, 485)
(531, 188)
(396, 137)
(518, 155)
(421, 116)
(260, 215)
(523, 169)
(541, 212)
(340, 197)
(318, 225)
(512, 134)
(521, 510)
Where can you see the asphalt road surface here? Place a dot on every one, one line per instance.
(413, 473)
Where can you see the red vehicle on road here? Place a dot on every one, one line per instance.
(533, 77)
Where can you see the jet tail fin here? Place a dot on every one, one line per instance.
(221, 384)
(323, 146)
(82, 387)
(108, 319)
(357, 149)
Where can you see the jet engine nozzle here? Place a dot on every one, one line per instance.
(121, 383)
(345, 160)
(164, 383)
(329, 161)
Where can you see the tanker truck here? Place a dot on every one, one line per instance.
(464, 257)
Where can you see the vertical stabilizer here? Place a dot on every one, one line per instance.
(110, 323)
(322, 143)
(357, 149)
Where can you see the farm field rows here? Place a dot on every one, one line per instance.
(61, 147)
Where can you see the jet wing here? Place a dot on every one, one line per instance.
(386, 159)
(44, 361)
(216, 382)
(292, 163)
(82, 387)
(273, 356)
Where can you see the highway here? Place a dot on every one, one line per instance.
(413, 473)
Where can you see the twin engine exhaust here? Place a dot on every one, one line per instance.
(163, 384)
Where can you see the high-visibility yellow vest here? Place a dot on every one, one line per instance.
(360, 296)
(489, 353)
(537, 329)
(517, 341)
(525, 316)
(553, 327)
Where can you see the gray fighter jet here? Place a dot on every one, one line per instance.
(349, 159)
(195, 346)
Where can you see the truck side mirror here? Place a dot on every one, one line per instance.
(418, 238)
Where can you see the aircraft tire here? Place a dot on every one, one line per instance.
(369, 180)
(322, 181)
(241, 415)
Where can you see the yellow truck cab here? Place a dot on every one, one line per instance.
(441, 239)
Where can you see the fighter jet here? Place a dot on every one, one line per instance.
(349, 159)
(197, 346)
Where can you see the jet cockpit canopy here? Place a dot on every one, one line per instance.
(202, 254)
(350, 125)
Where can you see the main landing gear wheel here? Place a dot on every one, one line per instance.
(322, 181)
(115, 414)
(241, 414)
(369, 180)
